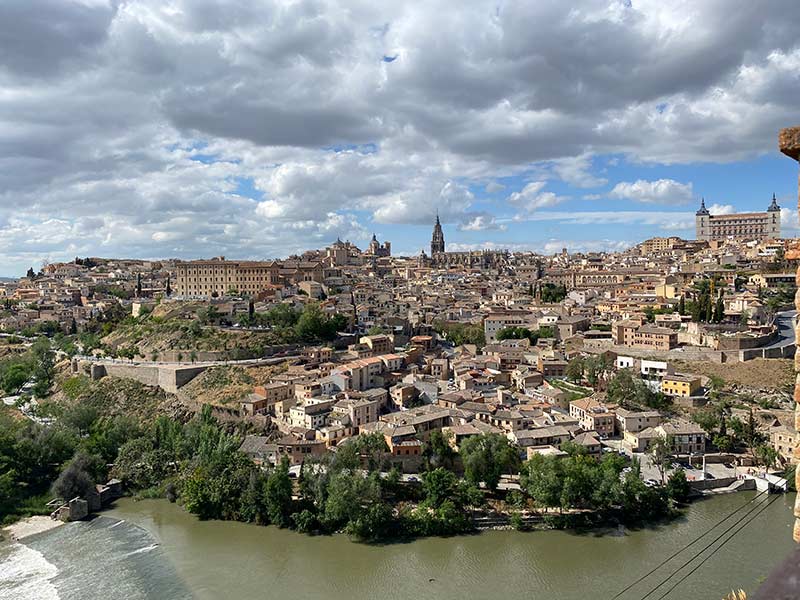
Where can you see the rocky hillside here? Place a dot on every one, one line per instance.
(153, 336)
(112, 396)
(764, 383)
(226, 386)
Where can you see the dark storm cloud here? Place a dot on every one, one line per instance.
(39, 37)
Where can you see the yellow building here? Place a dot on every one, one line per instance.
(680, 385)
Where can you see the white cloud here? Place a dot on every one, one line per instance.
(576, 171)
(189, 127)
(721, 209)
(482, 223)
(661, 191)
(789, 222)
(532, 197)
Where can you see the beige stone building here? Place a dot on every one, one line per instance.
(218, 277)
(593, 416)
(740, 226)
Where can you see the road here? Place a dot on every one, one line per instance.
(785, 322)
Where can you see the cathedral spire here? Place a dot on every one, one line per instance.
(437, 240)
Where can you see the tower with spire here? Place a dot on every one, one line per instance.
(702, 222)
(774, 220)
(437, 240)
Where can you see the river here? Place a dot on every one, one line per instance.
(160, 551)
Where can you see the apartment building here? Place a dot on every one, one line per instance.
(593, 416)
(682, 386)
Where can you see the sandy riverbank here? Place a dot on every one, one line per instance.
(30, 526)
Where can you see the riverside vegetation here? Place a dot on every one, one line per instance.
(196, 461)
(198, 464)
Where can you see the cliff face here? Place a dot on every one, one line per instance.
(789, 144)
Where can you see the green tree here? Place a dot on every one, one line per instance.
(278, 495)
(76, 479)
(439, 485)
(14, 376)
(766, 455)
(373, 447)
(348, 494)
(44, 360)
(487, 457)
(438, 451)
(678, 486)
(552, 293)
(517, 333)
(633, 392)
(461, 333)
(574, 370)
(660, 453)
(723, 442)
(719, 310)
(81, 416)
(547, 331)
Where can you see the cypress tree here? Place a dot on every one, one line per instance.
(719, 310)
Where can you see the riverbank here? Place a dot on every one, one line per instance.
(24, 528)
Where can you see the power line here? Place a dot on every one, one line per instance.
(764, 507)
(761, 506)
(689, 545)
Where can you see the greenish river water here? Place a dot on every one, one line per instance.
(153, 549)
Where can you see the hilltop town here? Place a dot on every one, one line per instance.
(674, 354)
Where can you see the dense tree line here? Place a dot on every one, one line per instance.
(68, 456)
(36, 366)
(579, 481)
(730, 433)
(310, 324)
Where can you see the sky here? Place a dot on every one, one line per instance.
(257, 129)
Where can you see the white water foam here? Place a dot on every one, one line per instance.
(117, 524)
(26, 573)
(143, 550)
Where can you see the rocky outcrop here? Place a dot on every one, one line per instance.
(789, 144)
